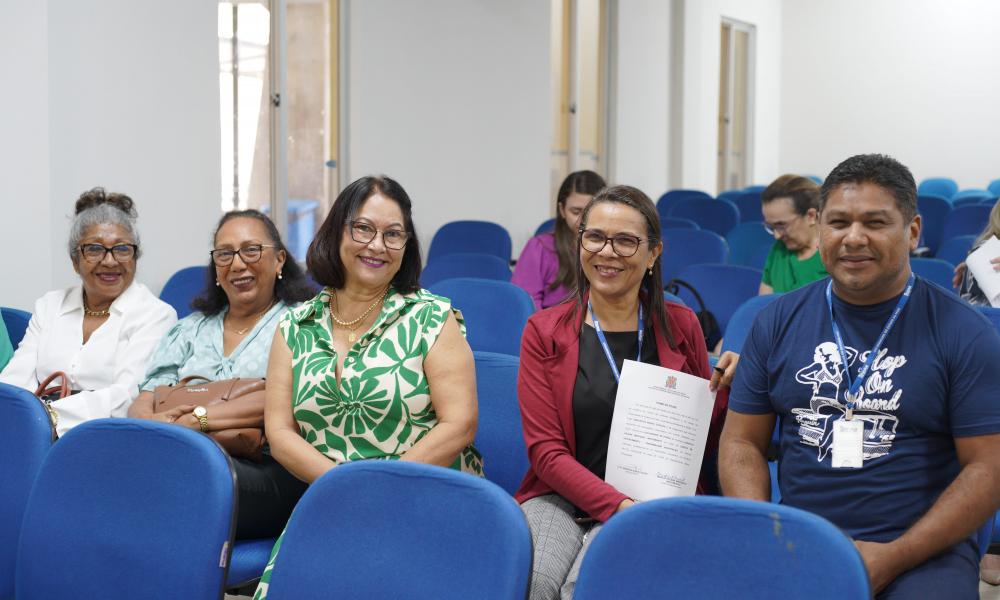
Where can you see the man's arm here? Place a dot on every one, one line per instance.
(971, 499)
(743, 456)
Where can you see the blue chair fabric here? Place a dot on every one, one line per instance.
(465, 264)
(749, 244)
(934, 270)
(755, 188)
(742, 320)
(934, 212)
(247, 561)
(138, 505)
(403, 530)
(956, 249)
(970, 196)
(470, 236)
(672, 223)
(942, 186)
(182, 287)
(25, 438)
(994, 187)
(749, 206)
(719, 216)
(16, 321)
(816, 179)
(668, 200)
(993, 314)
(713, 547)
(723, 288)
(685, 247)
(730, 195)
(546, 226)
(966, 220)
(499, 436)
(495, 311)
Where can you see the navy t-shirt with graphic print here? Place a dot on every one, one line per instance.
(936, 377)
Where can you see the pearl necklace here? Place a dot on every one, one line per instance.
(352, 326)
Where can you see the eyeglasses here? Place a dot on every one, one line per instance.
(248, 254)
(780, 228)
(364, 233)
(623, 245)
(96, 252)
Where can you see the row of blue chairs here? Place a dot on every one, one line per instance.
(948, 189)
(942, 220)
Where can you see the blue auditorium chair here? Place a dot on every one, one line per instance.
(730, 195)
(956, 249)
(742, 320)
(26, 434)
(247, 562)
(672, 223)
(182, 287)
(403, 530)
(723, 288)
(749, 244)
(546, 226)
(499, 436)
(495, 311)
(934, 212)
(470, 236)
(942, 186)
(816, 179)
(714, 547)
(16, 321)
(684, 247)
(994, 187)
(935, 270)
(666, 203)
(719, 216)
(755, 188)
(970, 196)
(125, 507)
(966, 220)
(465, 264)
(749, 206)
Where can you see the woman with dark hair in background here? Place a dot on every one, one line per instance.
(251, 283)
(546, 267)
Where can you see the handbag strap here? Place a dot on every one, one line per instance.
(63, 387)
(191, 378)
(678, 283)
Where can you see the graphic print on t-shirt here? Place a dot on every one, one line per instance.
(879, 400)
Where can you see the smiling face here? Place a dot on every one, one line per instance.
(572, 208)
(865, 242)
(612, 276)
(371, 266)
(105, 280)
(248, 285)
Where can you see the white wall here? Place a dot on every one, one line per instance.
(452, 99)
(917, 79)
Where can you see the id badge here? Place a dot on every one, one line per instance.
(848, 443)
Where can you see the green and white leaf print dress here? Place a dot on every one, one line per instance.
(383, 405)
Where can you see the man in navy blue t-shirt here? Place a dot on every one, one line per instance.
(888, 388)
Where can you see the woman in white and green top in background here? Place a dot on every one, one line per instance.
(791, 214)
(252, 283)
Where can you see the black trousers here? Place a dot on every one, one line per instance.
(267, 495)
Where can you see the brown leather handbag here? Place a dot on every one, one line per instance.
(246, 442)
(48, 393)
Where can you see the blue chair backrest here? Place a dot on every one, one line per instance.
(182, 287)
(755, 188)
(943, 186)
(994, 187)
(465, 264)
(685, 247)
(723, 288)
(749, 244)
(411, 531)
(730, 195)
(672, 223)
(667, 201)
(713, 547)
(956, 249)
(495, 311)
(140, 507)
(935, 270)
(499, 436)
(742, 320)
(966, 220)
(816, 179)
(16, 321)
(546, 226)
(719, 216)
(933, 214)
(470, 236)
(247, 561)
(993, 314)
(748, 204)
(971, 196)
(25, 438)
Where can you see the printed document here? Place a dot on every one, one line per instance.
(979, 265)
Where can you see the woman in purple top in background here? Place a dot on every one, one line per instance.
(546, 266)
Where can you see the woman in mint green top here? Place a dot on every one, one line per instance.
(6, 350)
(791, 214)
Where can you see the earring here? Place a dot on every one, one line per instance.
(217, 284)
(279, 274)
(650, 272)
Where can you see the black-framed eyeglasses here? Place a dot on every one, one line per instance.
(623, 245)
(780, 228)
(248, 254)
(96, 252)
(364, 233)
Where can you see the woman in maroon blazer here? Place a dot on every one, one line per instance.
(567, 381)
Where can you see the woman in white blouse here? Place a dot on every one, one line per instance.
(100, 333)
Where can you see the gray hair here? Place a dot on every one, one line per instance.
(100, 214)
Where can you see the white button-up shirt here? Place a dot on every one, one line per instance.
(107, 369)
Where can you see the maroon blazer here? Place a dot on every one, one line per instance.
(550, 354)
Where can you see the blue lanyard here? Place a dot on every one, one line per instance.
(853, 387)
(604, 341)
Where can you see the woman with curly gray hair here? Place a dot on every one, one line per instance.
(99, 333)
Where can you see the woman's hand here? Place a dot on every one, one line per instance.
(627, 502)
(725, 369)
(174, 415)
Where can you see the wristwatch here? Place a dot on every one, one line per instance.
(201, 414)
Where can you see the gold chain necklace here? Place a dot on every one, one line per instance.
(352, 326)
(94, 313)
(249, 327)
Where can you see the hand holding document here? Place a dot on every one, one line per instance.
(658, 432)
(982, 269)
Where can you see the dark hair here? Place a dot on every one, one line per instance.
(578, 182)
(650, 291)
(803, 192)
(323, 258)
(292, 288)
(878, 169)
(97, 207)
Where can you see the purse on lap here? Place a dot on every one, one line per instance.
(244, 442)
(47, 393)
